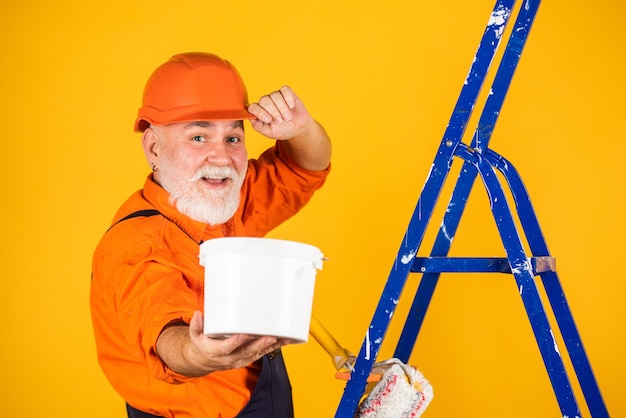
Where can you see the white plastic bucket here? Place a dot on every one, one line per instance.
(258, 286)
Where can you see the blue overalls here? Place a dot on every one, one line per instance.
(271, 397)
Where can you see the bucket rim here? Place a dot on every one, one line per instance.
(261, 246)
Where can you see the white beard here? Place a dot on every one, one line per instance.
(209, 206)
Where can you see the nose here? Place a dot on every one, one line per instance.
(218, 153)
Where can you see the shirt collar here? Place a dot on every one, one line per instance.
(159, 198)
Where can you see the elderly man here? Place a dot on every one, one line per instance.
(147, 285)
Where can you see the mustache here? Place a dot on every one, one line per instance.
(214, 172)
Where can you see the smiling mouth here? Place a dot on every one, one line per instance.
(215, 181)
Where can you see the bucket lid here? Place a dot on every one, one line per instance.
(262, 246)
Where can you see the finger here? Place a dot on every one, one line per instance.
(284, 341)
(196, 324)
(223, 346)
(289, 96)
(281, 105)
(262, 115)
(237, 341)
(276, 106)
(262, 346)
(271, 105)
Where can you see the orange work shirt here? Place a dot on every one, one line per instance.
(146, 274)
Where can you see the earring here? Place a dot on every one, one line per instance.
(153, 166)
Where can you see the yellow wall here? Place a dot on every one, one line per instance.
(383, 78)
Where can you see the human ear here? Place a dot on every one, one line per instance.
(149, 141)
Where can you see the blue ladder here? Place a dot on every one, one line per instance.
(478, 159)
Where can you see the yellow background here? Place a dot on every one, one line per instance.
(383, 78)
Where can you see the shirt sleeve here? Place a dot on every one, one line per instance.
(276, 188)
(153, 293)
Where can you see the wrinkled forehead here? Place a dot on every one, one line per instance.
(235, 124)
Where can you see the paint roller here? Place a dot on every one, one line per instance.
(395, 389)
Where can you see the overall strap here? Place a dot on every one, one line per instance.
(152, 212)
(143, 212)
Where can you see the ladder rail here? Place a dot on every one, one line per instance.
(355, 387)
(552, 287)
(524, 277)
(460, 195)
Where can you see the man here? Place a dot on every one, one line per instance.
(147, 285)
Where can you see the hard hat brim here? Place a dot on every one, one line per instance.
(156, 118)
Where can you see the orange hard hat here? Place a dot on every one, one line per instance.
(191, 87)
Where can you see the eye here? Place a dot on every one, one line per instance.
(233, 139)
(197, 138)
